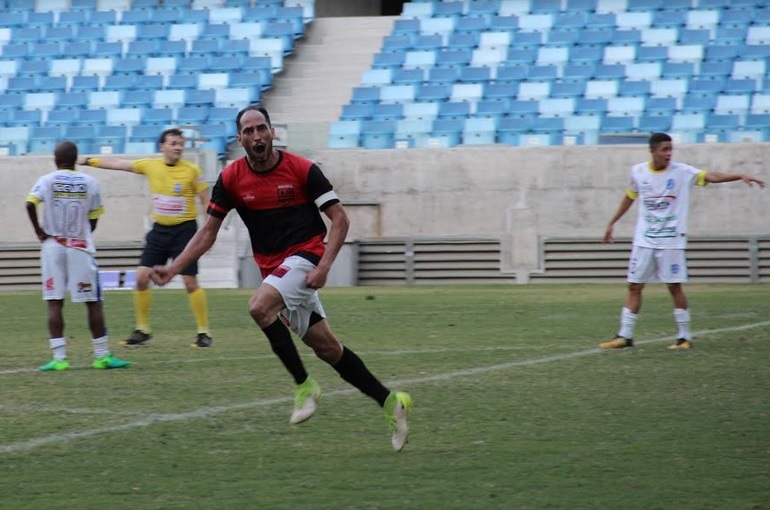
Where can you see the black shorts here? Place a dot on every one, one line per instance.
(163, 243)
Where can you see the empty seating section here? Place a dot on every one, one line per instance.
(112, 74)
(523, 72)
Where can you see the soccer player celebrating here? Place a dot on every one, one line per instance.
(278, 195)
(663, 187)
(174, 184)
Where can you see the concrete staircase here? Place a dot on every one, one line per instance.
(318, 78)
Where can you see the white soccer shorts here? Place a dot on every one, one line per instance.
(68, 269)
(300, 300)
(668, 265)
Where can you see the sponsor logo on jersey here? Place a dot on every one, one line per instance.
(83, 287)
(285, 193)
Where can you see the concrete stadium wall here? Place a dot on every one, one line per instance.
(517, 194)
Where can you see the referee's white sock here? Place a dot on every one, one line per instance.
(59, 348)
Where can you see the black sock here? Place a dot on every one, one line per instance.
(283, 346)
(353, 370)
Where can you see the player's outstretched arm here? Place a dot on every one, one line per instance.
(203, 239)
(717, 177)
(125, 165)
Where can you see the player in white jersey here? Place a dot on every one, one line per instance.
(663, 189)
(73, 205)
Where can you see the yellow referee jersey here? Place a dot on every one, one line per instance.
(174, 189)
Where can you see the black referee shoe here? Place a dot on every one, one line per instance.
(137, 339)
(203, 340)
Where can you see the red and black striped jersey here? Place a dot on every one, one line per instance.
(280, 208)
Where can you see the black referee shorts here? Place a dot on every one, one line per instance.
(167, 242)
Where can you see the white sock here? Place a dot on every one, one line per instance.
(627, 323)
(682, 318)
(101, 346)
(59, 348)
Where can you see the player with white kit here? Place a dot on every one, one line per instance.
(73, 205)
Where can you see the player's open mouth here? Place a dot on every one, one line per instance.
(260, 148)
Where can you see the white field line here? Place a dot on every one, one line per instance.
(31, 444)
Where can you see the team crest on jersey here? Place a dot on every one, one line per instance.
(177, 187)
(670, 184)
(281, 271)
(285, 193)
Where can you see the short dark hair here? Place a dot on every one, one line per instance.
(252, 108)
(169, 132)
(65, 154)
(658, 138)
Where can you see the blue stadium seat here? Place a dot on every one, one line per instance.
(523, 108)
(61, 117)
(596, 107)
(617, 125)
(14, 140)
(663, 106)
(357, 111)
(377, 134)
(183, 81)
(42, 140)
(437, 92)
(654, 123)
(407, 76)
(556, 107)
(143, 133)
(158, 116)
(475, 74)
(30, 118)
(124, 117)
(119, 82)
(92, 117)
(83, 136)
(580, 73)
(397, 94)
(491, 108)
(567, 89)
(385, 111)
(344, 134)
(72, 18)
(191, 115)
(698, 103)
(639, 88)
(420, 111)
(73, 100)
(677, 70)
(136, 17)
(388, 60)
(450, 110)
(137, 99)
(413, 133)
(77, 49)
(110, 139)
(222, 115)
(470, 24)
(52, 84)
(447, 131)
(722, 122)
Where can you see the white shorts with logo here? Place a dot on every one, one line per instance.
(668, 265)
(68, 269)
(300, 300)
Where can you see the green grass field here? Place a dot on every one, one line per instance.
(515, 407)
